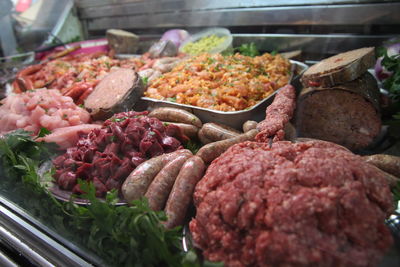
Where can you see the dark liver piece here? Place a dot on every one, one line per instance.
(117, 92)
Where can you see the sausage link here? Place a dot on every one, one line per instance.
(211, 151)
(29, 70)
(82, 98)
(181, 195)
(217, 132)
(159, 189)
(135, 186)
(390, 179)
(202, 137)
(249, 125)
(187, 129)
(25, 83)
(77, 90)
(176, 115)
(387, 163)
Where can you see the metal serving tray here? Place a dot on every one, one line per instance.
(233, 119)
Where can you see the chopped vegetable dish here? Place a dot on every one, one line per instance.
(226, 83)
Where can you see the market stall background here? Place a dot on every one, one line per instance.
(318, 28)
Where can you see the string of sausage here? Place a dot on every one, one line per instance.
(277, 116)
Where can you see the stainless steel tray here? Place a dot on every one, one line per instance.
(233, 119)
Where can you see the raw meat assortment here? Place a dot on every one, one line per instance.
(302, 204)
(39, 108)
(108, 155)
(77, 75)
(260, 200)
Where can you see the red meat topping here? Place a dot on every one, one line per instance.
(106, 156)
(303, 204)
(277, 115)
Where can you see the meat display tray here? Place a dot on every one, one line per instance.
(233, 119)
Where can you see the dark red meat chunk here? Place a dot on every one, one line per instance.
(108, 155)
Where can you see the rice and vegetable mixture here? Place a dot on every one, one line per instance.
(226, 83)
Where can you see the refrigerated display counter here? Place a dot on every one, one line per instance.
(40, 228)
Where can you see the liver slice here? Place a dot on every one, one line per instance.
(117, 92)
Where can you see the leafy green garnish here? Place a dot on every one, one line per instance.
(129, 235)
(20, 157)
(392, 84)
(119, 119)
(396, 192)
(249, 49)
(192, 146)
(274, 52)
(145, 80)
(171, 99)
(44, 131)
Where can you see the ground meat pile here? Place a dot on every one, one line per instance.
(295, 204)
(106, 156)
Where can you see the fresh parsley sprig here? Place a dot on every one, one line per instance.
(249, 49)
(392, 64)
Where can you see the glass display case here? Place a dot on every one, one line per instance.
(39, 230)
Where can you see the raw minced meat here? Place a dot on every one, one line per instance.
(303, 204)
(39, 108)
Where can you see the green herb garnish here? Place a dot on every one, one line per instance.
(392, 64)
(43, 132)
(171, 99)
(192, 146)
(119, 119)
(248, 50)
(145, 80)
(396, 192)
(274, 52)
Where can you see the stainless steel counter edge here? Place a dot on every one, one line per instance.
(33, 244)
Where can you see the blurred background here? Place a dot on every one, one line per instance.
(318, 27)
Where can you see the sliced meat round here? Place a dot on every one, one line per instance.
(346, 114)
(117, 92)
